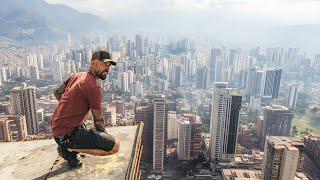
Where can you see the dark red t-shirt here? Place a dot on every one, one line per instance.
(82, 93)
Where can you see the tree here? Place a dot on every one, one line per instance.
(294, 130)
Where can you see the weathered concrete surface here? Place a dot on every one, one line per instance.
(34, 160)
(25, 160)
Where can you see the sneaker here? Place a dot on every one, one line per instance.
(71, 157)
(74, 163)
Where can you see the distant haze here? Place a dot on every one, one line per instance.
(246, 22)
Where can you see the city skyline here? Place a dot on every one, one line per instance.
(235, 23)
(183, 104)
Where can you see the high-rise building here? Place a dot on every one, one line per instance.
(184, 140)
(3, 75)
(30, 60)
(254, 82)
(220, 75)
(290, 59)
(275, 57)
(5, 108)
(214, 55)
(271, 82)
(123, 80)
(139, 45)
(23, 101)
(196, 128)
(224, 123)
(259, 124)
(312, 146)
(246, 137)
(129, 48)
(283, 157)
(255, 103)
(159, 132)
(34, 72)
(109, 114)
(292, 96)
(277, 121)
(56, 70)
(178, 76)
(130, 77)
(5, 133)
(145, 114)
(88, 55)
(136, 89)
(12, 127)
(172, 125)
(202, 78)
(120, 106)
(40, 115)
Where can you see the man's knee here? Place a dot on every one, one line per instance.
(116, 147)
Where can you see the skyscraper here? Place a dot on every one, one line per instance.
(220, 71)
(271, 82)
(233, 123)
(136, 89)
(254, 82)
(145, 114)
(224, 123)
(40, 115)
(123, 80)
(172, 125)
(277, 121)
(139, 45)
(178, 76)
(202, 78)
(282, 158)
(292, 96)
(23, 101)
(40, 61)
(34, 72)
(184, 140)
(214, 55)
(56, 70)
(196, 127)
(159, 132)
(275, 57)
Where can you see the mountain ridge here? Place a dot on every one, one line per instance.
(37, 20)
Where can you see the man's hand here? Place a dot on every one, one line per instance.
(98, 120)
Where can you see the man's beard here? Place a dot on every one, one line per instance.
(101, 75)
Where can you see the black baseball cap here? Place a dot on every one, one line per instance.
(104, 56)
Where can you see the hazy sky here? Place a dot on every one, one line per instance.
(240, 22)
(277, 11)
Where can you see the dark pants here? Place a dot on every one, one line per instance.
(81, 138)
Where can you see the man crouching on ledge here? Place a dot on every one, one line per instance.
(77, 95)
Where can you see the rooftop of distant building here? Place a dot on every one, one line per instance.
(277, 108)
(237, 174)
(284, 141)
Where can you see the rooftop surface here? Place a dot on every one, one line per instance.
(39, 159)
(284, 140)
(234, 174)
(277, 108)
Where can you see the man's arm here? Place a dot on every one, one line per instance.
(98, 120)
(60, 90)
